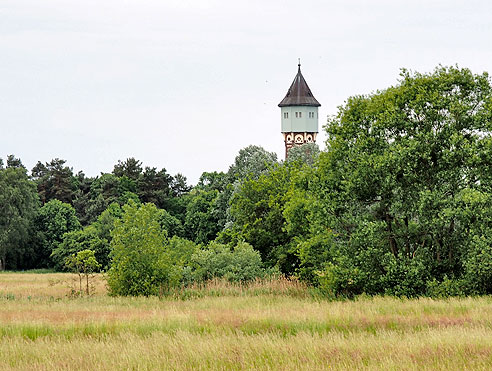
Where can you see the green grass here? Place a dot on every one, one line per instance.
(274, 324)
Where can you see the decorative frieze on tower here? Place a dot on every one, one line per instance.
(299, 114)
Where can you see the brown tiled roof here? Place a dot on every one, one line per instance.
(299, 93)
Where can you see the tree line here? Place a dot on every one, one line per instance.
(399, 203)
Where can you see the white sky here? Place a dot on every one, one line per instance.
(186, 84)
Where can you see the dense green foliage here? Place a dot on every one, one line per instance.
(202, 220)
(306, 153)
(399, 203)
(18, 207)
(44, 237)
(401, 197)
(140, 264)
(79, 240)
(55, 181)
(146, 262)
(53, 220)
(239, 264)
(257, 211)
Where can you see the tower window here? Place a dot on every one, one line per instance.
(286, 115)
(298, 115)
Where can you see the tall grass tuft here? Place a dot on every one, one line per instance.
(274, 285)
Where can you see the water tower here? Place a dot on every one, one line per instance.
(299, 114)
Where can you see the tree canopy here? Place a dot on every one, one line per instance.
(18, 207)
(394, 191)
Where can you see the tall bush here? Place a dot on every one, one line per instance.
(140, 264)
(240, 264)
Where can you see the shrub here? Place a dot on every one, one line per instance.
(140, 264)
(240, 264)
(446, 288)
(405, 277)
(181, 250)
(478, 266)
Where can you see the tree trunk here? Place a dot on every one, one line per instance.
(450, 253)
(2, 262)
(407, 238)
(391, 238)
(438, 251)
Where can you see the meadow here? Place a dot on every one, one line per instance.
(273, 324)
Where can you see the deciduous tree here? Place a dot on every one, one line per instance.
(140, 264)
(54, 219)
(18, 207)
(83, 263)
(389, 187)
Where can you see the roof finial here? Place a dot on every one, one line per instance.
(299, 65)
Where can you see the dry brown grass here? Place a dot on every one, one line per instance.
(35, 285)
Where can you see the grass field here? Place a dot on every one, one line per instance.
(268, 325)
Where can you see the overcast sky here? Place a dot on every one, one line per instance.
(185, 85)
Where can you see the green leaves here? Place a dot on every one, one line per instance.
(202, 216)
(83, 263)
(54, 219)
(257, 209)
(240, 264)
(400, 185)
(140, 264)
(79, 240)
(18, 207)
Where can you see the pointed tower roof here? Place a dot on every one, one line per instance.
(299, 93)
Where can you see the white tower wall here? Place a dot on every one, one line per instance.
(299, 119)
